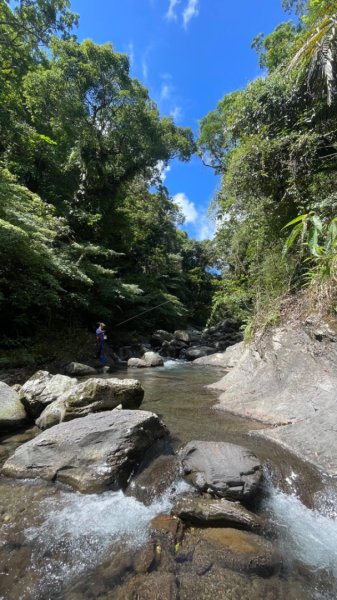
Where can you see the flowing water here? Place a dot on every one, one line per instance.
(58, 544)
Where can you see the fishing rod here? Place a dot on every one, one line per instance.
(142, 313)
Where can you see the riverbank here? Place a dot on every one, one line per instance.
(287, 379)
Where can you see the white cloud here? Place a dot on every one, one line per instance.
(207, 230)
(191, 10)
(162, 170)
(165, 92)
(145, 69)
(187, 207)
(176, 113)
(171, 14)
(131, 52)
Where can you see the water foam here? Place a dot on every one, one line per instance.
(306, 535)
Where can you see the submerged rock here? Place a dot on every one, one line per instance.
(211, 512)
(75, 369)
(12, 412)
(93, 395)
(43, 389)
(91, 454)
(154, 480)
(243, 551)
(226, 470)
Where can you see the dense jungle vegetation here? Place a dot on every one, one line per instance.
(87, 228)
(275, 146)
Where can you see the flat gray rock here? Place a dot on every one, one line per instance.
(92, 454)
(226, 360)
(12, 412)
(93, 395)
(226, 470)
(215, 512)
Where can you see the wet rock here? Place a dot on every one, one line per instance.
(91, 454)
(225, 360)
(151, 586)
(169, 525)
(75, 369)
(12, 412)
(241, 551)
(154, 480)
(221, 584)
(43, 389)
(215, 512)
(93, 395)
(196, 352)
(227, 470)
(244, 551)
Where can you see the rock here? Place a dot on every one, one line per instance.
(93, 395)
(288, 378)
(79, 370)
(154, 480)
(223, 584)
(182, 336)
(169, 526)
(92, 454)
(149, 586)
(172, 349)
(226, 470)
(137, 363)
(194, 335)
(196, 352)
(43, 389)
(149, 359)
(12, 412)
(16, 387)
(152, 359)
(241, 551)
(215, 512)
(225, 360)
(161, 336)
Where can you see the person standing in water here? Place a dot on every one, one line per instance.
(100, 337)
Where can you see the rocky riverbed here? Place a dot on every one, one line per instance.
(182, 524)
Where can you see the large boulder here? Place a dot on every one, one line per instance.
(226, 470)
(137, 363)
(93, 395)
(92, 454)
(12, 412)
(43, 389)
(75, 369)
(212, 512)
(160, 336)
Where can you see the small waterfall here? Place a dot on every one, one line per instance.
(309, 536)
(79, 529)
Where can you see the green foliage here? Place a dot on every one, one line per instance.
(275, 145)
(87, 230)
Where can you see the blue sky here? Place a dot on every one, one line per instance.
(189, 53)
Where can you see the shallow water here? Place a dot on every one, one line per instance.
(57, 544)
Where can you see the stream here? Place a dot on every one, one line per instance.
(56, 544)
